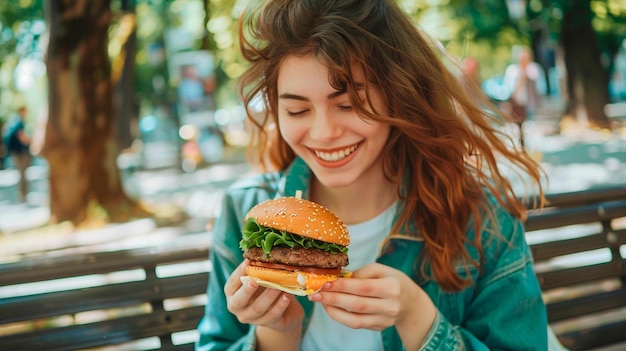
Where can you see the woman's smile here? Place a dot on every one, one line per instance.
(335, 155)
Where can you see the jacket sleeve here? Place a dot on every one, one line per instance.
(506, 310)
(219, 329)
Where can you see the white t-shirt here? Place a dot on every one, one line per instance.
(365, 239)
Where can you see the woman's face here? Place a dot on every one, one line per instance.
(320, 125)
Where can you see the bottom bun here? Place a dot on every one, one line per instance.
(296, 283)
(289, 290)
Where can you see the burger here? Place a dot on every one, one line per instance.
(294, 245)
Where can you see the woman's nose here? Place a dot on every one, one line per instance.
(324, 126)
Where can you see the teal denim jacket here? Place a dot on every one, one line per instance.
(502, 310)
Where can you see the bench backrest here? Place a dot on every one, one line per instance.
(122, 297)
(577, 242)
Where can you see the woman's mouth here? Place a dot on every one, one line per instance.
(336, 155)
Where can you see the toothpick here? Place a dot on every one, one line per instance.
(298, 194)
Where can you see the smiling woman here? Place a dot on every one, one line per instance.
(319, 124)
(374, 126)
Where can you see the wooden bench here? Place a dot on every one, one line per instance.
(127, 298)
(578, 244)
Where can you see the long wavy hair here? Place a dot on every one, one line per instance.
(443, 141)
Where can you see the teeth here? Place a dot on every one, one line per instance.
(336, 155)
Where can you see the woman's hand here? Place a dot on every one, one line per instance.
(265, 308)
(377, 297)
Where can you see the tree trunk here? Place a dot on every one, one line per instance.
(125, 102)
(207, 39)
(587, 80)
(79, 145)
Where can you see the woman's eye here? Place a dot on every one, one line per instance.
(296, 113)
(345, 107)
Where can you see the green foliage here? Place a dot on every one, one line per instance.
(21, 27)
(15, 20)
(482, 29)
(608, 19)
(485, 19)
(151, 66)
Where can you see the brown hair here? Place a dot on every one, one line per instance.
(443, 148)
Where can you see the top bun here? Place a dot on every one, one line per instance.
(302, 217)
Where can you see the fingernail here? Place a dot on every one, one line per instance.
(315, 297)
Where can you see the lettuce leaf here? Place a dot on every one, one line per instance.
(256, 235)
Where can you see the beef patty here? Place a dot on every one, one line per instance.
(298, 257)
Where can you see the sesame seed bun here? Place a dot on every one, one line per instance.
(302, 217)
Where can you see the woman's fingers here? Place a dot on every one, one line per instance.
(274, 313)
(363, 296)
(264, 306)
(374, 298)
(375, 313)
(373, 280)
(359, 320)
(234, 281)
(257, 305)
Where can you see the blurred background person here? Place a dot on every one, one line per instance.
(470, 69)
(191, 89)
(525, 81)
(18, 146)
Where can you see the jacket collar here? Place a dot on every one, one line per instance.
(296, 177)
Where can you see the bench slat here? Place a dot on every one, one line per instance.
(579, 275)
(96, 263)
(110, 332)
(560, 217)
(588, 196)
(557, 248)
(22, 308)
(590, 338)
(584, 305)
